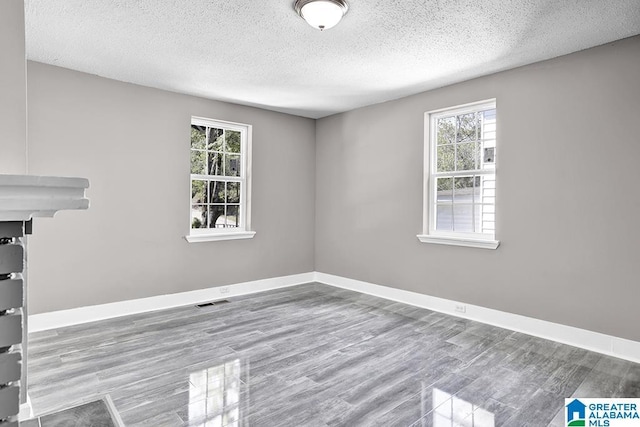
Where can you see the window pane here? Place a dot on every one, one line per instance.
(489, 136)
(216, 216)
(478, 156)
(489, 181)
(444, 218)
(488, 117)
(477, 211)
(463, 191)
(198, 192)
(198, 216)
(232, 165)
(463, 218)
(446, 129)
(233, 219)
(466, 127)
(466, 155)
(489, 217)
(445, 189)
(446, 159)
(216, 192)
(216, 139)
(215, 163)
(198, 162)
(486, 123)
(477, 190)
(488, 226)
(233, 192)
(198, 137)
(233, 141)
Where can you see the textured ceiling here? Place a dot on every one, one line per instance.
(260, 53)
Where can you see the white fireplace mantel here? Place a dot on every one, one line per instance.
(23, 197)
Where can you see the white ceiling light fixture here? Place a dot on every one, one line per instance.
(321, 14)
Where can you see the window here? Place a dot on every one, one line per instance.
(460, 176)
(220, 185)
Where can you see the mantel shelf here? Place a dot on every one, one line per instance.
(23, 197)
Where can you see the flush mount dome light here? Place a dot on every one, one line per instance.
(321, 14)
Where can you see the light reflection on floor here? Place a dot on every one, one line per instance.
(451, 411)
(215, 401)
(214, 396)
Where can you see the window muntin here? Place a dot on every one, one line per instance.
(462, 148)
(219, 172)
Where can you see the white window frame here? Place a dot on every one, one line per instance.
(197, 235)
(429, 232)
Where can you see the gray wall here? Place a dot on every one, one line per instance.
(132, 143)
(13, 96)
(568, 194)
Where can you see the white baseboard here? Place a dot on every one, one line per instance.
(74, 316)
(26, 411)
(589, 340)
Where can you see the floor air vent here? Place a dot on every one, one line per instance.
(209, 304)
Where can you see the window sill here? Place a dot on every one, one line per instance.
(214, 237)
(459, 241)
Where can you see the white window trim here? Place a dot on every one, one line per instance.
(199, 235)
(459, 241)
(235, 235)
(429, 233)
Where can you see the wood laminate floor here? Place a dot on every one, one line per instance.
(315, 355)
(93, 414)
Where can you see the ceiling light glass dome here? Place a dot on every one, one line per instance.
(321, 14)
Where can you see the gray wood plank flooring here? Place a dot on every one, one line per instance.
(93, 414)
(315, 355)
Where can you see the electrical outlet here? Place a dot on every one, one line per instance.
(224, 290)
(461, 308)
